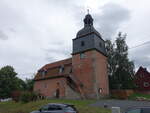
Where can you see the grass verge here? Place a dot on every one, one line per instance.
(81, 105)
(137, 95)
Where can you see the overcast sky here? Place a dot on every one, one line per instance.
(36, 32)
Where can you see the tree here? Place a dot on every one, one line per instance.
(29, 84)
(9, 81)
(120, 68)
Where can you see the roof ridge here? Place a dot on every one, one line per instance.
(64, 61)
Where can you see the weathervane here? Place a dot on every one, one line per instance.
(88, 11)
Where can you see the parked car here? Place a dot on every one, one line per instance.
(57, 108)
(139, 110)
(5, 100)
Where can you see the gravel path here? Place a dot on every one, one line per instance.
(123, 104)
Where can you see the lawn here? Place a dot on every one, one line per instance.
(136, 95)
(81, 105)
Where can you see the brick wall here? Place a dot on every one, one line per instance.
(92, 72)
(48, 87)
(101, 73)
(83, 70)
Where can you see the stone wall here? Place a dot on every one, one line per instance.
(71, 94)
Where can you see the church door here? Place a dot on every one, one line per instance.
(57, 93)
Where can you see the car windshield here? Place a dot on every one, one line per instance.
(70, 108)
(54, 107)
(50, 108)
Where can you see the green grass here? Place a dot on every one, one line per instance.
(81, 105)
(135, 95)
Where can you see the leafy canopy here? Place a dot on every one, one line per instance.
(120, 68)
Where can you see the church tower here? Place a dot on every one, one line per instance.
(89, 61)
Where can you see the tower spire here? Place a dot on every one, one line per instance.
(87, 11)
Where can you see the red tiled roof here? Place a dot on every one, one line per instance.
(57, 63)
(52, 69)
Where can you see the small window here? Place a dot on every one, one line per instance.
(100, 44)
(81, 85)
(100, 90)
(43, 73)
(141, 75)
(146, 84)
(82, 43)
(70, 70)
(82, 55)
(61, 69)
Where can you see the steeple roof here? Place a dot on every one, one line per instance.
(88, 27)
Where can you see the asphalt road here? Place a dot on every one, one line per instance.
(123, 104)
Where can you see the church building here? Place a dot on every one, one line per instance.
(84, 75)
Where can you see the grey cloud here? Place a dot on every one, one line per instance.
(51, 24)
(73, 7)
(141, 56)
(145, 62)
(57, 52)
(50, 58)
(3, 36)
(111, 17)
(12, 30)
(68, 3)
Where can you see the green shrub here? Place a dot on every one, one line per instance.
(28, 96)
